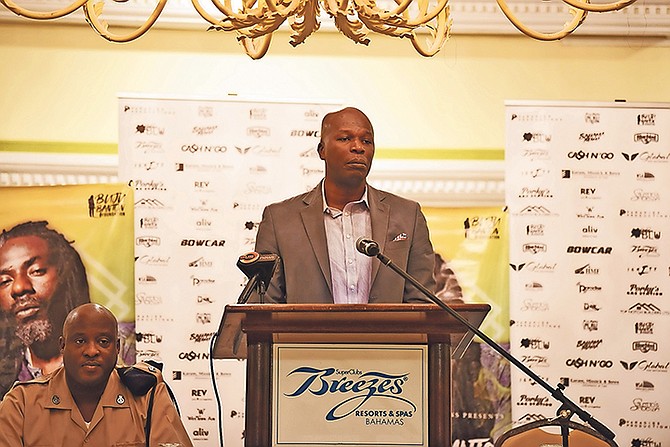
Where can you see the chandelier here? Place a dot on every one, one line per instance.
(425, 23)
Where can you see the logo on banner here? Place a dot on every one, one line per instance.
(204, 130)
(646, 365)
(592, 118)
(587, 270)
(645, 385)
(535, 154)
(482, 227)
(258, 113)
(148, 241)
(148, 337)
(534, 343)
(149, 165)
(149, 185)
(204, 149)
(149, 203)
(258, 131)
(149, 147)
(149, 130)
(309, 153)
(534, 401)
(644, 327)
(590, 214)
(535, 267)
(535, 193)
(589, 363)
(157, 261)
(586, 345)
(202, 242)
(201, 262)
(646, 214)
(583, 288)
(645, 233)
(200, 415)
(645, 251)
(535, 210)
(534, 306)
(372, 388)
(534, 137)
(592, 136)
(107, 205)
(149, 110)
(644, 290)
(306, 133)
(646, 137)
(646, 119)
(645, 346)
(640, 195)
(589, 250)
(192, 355)
(645, 308)
(201, 337)
(581, 155)
(147, 299)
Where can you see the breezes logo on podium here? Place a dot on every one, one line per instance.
(349, 394)
(357, 392)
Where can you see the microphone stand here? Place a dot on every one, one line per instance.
(254, 282)
(567, 406)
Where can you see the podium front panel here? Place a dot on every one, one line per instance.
(350, 395)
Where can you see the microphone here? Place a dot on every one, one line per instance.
(259, 268)
(367, 246)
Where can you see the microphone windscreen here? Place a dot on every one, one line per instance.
(261, 264)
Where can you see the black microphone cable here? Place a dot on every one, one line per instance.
(215, 387)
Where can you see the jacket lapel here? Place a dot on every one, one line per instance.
(379, 215)
(312, 219)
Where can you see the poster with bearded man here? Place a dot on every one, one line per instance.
(61, 246)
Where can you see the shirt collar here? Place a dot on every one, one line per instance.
(327, 209)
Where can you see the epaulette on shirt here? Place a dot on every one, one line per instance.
(141, 377)
(41, 380)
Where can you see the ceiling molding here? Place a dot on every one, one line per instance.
(436, 183)
(645, 18)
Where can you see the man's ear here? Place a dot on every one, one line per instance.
(61, 343)
(319, 149)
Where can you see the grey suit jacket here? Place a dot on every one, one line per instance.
(294, 230)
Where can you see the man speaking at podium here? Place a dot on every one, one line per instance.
(315, 233)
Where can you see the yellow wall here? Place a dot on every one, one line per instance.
(60, 83)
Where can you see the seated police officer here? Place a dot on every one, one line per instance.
(88, 400)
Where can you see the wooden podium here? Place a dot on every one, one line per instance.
(249, 331)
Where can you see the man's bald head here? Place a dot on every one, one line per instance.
(91, 311)
(329, 117)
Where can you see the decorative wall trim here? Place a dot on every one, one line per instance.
(438, 183)
(645, 18)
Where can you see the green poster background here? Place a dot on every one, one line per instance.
(474, 244)
(98, 221)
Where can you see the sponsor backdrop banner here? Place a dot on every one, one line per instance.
(97, 222)
(203, 171)
(589, 277)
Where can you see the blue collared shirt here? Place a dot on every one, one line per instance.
(350, 271)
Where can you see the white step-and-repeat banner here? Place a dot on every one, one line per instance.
(587, 190)
(203, 170)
